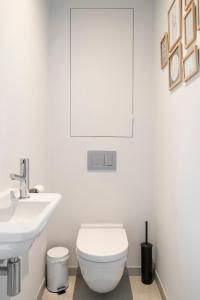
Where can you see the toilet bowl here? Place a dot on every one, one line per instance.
(102, 253)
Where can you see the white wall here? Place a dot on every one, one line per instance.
(23, 111)
(104, 61)
(124, 196)
(177, 177)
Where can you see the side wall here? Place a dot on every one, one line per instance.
(23, 113)
(177, 176)
(126, 195)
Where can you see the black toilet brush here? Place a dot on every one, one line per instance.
(146, 259)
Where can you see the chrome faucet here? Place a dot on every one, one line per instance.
(23, 178)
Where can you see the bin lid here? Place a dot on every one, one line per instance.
(57, 253)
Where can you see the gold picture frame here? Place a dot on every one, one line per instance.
(174, 24)
(191, 64)
(190, 27)
(164, 51)
(175, 67)
(187, 3)
(198, 14)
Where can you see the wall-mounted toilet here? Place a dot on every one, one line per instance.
(102, 253)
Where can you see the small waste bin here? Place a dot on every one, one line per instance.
(57, 269)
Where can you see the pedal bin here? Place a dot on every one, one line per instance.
(57, 269)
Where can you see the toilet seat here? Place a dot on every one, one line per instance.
(102, 243)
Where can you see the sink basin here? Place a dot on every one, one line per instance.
(21, 221)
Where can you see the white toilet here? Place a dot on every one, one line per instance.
(102, 253)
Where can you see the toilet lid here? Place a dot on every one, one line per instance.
(102, 244)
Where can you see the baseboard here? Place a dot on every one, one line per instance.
(41, 291)
(160, 286)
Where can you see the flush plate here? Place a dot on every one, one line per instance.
(101, 160)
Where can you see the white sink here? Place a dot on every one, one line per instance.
(21, 221)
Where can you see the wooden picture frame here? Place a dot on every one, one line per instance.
(198, 14)
(174, 24)
(175, 67)
(187, 3)
(164, 51)
(191, 64)
(190, 27)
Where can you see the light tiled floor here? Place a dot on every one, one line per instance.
(144, 292)
(140, 291)
(67, 296)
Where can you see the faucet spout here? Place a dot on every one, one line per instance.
(16, 177)
(23, 178)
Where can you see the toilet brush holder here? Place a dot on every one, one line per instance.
(146, 259)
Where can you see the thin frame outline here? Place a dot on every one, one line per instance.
(165, 37)
(191, 9)
(178, 48)
(188, 4)
(132, 113)
(198, 14)
(194, 51)
(180, 25)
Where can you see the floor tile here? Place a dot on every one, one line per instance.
(144, 292)
(140, 291)
(67, 296)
